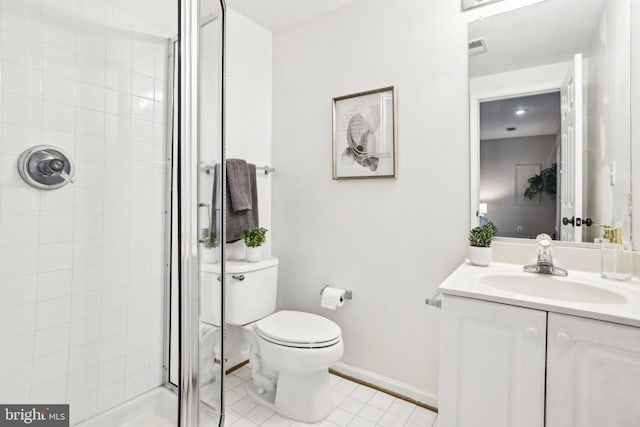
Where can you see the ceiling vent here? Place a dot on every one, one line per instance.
(477, 46)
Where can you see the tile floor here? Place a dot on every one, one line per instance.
(356, 406)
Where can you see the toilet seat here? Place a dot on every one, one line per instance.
(298, 329)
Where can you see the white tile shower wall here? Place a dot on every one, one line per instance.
(81, 268)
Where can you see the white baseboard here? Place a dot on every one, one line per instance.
(407, 390)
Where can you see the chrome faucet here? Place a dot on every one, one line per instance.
(545, 261)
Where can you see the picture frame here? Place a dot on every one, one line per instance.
(522, 174)
(365, 135)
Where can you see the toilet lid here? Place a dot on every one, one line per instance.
(298, 329)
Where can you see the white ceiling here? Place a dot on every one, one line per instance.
(275, 15)
(544, 33)
(271, 14)
(542, 116)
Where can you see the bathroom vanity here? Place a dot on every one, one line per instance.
(520, 349)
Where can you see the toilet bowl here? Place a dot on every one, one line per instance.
(291, 352)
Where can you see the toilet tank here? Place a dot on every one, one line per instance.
(251, 291)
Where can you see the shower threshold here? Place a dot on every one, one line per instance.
(155, 408)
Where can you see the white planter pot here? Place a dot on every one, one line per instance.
(479, 256)
(210, 255)
(254, 254)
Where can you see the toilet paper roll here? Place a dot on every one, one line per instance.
(332, 298)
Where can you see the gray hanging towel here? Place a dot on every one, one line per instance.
(236, 221)
(239, 185)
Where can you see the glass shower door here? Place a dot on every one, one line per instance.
(209, 201)
(198, 330)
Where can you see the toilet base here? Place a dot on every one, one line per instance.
(302, 397)
(265, 399)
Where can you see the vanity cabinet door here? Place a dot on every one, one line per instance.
(492, 365)
(593, 373)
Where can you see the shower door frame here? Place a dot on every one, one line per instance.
(188, 171)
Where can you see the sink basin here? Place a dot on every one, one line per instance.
(551, 287)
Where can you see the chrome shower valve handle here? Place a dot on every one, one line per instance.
(46, 167)
(54, 166)
(66, 177)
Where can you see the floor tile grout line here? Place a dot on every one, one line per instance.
(327, 422)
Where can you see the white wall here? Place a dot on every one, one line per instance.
(522, 81)
(391, 240)
(81, 268)
(248, 108)
(498, 158)
(608, 121)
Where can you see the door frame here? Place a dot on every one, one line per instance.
(188, 168)
(188, 265)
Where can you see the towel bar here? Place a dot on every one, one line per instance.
(267, 169)
(434, 301)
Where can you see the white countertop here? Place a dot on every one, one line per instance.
(465, 281)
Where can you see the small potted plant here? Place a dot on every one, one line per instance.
(210, 242)
(480, 244)
(253, 239)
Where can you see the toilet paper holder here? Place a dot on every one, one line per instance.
(348, 294)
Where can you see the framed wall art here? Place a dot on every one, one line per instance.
(364, 135)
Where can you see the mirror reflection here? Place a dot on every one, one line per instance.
(550, 119)
(470, 4)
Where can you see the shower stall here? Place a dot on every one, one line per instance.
(111, 120)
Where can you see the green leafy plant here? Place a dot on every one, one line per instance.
(210, 238)
(491, 227)
(481, 236)
(254, 237)
(545, 182)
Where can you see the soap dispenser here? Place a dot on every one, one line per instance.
(616, 257)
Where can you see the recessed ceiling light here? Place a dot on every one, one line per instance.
(521, 111)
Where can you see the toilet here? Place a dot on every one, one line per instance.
(209, 352)
(290, 351)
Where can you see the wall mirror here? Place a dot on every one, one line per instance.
(550, 115)
(471, 4)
